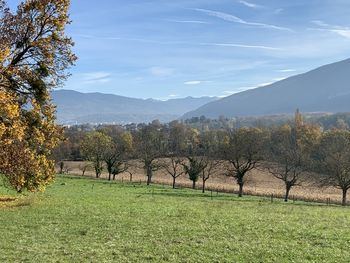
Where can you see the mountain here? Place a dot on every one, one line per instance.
(75, 107)
(325, 89)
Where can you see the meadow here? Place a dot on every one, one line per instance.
(259, 182)
(85, 220)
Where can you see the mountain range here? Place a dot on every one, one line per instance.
(325, 89)
(76, 108)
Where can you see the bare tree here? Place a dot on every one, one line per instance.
(174, 168)
(211, 167)
(150, 145)
(84, 167)
(288, 159)
(333, 160)
(243, 151)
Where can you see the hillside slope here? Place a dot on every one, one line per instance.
(75, 107)
(325, 89)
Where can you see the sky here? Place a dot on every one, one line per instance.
(166, 49)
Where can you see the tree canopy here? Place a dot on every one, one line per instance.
(34, 56)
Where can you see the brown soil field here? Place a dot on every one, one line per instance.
(259, 182)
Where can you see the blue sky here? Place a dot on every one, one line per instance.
(168, 49)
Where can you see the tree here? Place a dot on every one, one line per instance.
(194, 167)
(210, 167)
(116, 152)
(289, 161)
(244, 151)
(333, 160)
(120, 167)
(150, 145)
(34, 56)
(94, 147)
(174, 168)
(84, 167)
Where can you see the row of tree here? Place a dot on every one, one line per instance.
(289, 152)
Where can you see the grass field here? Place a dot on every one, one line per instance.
(258, 182)
(85, 220)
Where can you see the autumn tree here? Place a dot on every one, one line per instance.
(243, 150)
(94, 148)
(290, 151)
(287, 160)
(34, 56)
(333, 160)
(194, 162)
(116, 153)
(150, 145)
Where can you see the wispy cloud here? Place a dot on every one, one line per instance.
(339, 30)
(188, 21)
(235, 19)
(249, 4)
(149, 41)
(286, 70)
(241, 46)
(169, 97)
(161, 71)
(193, 82)
(96, 77)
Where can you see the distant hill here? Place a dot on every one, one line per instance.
(75, 107)
(325, 89)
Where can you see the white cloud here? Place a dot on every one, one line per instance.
(342, 32)
(286, 70)
(339, 30)
(279, 79)
(241, 46)
(169, 97)
(235, 19)
(193, 82)
(148, 41)
(265, 84)
(161, 71)
(249, 4)
(189, 21)
(96, 77)
(320, 23)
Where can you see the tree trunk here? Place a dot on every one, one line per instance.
(109, 176)
(149, 175)
(288, 187)
(203, 186)
(113, 177)
(97, 172)
(345, 190)
(174, 179)
(240, 192)
(193, 184)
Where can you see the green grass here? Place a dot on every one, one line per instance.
(84, 220)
